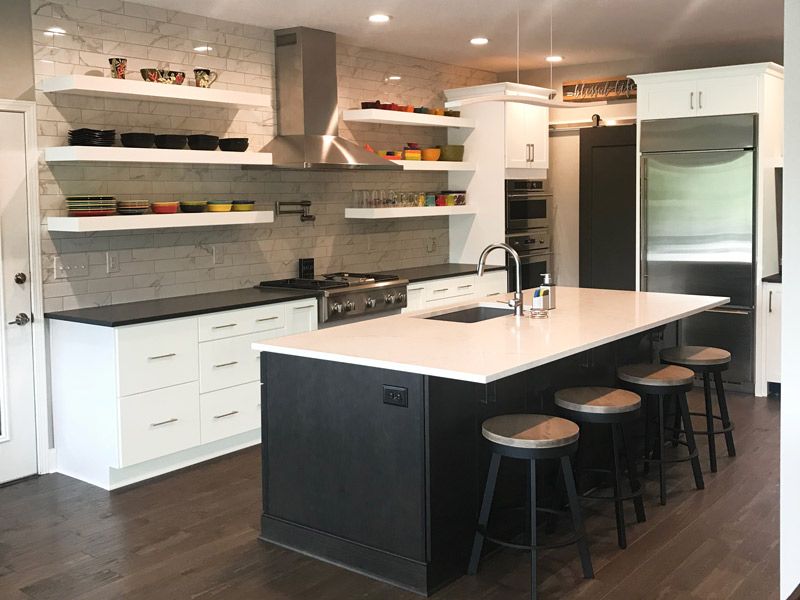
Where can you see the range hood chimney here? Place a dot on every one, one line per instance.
(307, 105)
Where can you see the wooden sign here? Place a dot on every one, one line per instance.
(595, 90)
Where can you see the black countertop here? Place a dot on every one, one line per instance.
(131, 313)
(777, 278)
(414, 274)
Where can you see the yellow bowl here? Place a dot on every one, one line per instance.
(431, 153)
(219, 207)
(243, 207)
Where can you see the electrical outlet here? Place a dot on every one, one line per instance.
(70, 266)
(218, 254)
(397, 396)
(112, 261)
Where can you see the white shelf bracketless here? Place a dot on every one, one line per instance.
(407, 212)
(395, 117)
(131, 89)
(434, 165)
(60, 154)
(131, 222)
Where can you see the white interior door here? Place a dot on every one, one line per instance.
(17, 408)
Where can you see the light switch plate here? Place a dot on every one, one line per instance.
(218, 254)
(112, 261)
(71, 265)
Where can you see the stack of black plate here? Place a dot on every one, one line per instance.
(91, 137)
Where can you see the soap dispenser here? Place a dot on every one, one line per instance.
(548, 296)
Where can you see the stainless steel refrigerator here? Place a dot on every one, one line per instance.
(698, 226)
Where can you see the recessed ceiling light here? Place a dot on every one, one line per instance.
(379, 18)
(203, 49)
(554, 58)
(51, 31)
(394, 78)
(479, 41)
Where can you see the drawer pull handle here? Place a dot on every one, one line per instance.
(227, 364)
(228, 414)
(167, 422)
(160, 356)
(493, 294)
(224, 326)
(441, 290)
(303, 307)
(464, 287)
(266, 319)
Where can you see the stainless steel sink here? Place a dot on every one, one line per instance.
(471, 314)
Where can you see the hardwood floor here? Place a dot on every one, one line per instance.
(192, 534)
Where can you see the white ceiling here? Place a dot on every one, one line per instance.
(585, 31)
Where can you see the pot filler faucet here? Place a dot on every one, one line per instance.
(516, 301)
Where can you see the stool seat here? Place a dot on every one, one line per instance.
(696, 356)
(598, 400)
(655, 375)
(530, 431)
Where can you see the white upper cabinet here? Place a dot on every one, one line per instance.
(527, 136)
(701, 92)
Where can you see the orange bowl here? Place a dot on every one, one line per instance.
(431, 153)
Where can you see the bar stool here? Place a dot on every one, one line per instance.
(613, 407)
(662, 382)
(707, 361)
(531, 438)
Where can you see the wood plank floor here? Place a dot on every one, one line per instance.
(192, 534)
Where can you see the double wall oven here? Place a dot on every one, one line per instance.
(529, 213)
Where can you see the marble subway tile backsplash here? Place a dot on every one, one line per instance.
(170, 262)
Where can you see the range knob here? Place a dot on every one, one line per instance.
(389, 298)
(370, 302)
(336, 307)
(349, 305)
(401, 297)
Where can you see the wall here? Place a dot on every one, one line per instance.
(16, 59)
(790, 377)
(164, 263)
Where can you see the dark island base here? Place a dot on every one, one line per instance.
(389, 484)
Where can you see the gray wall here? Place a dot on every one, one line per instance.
(16, 59)
(790, 384)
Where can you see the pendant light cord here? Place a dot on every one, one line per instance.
(517, 41)
(551, 43)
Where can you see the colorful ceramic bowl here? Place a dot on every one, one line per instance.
(164, 208)
(243, 205)
(220, 206)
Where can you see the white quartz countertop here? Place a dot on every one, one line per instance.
(496, 348)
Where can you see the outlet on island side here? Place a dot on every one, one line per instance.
(397, 396)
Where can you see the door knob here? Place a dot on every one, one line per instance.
(20, 278)
(20, 319)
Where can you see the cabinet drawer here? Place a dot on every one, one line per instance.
(156, 355)
(453, 287)
(157, 423)
(230, 411)
(232, 361)
(239, 322)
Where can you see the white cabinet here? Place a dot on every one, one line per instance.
(701, 92)
(450, 290)
(772, 292)
(527, 136)
(136, 401)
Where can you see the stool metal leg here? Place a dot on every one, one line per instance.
(689, 431)
(532, 506)
(676, 427)
(483, 518)
(619, 510)
(723, 409)
(646, 406)
(662, 482)
(577, 519)
(712, 442)
(635, 484)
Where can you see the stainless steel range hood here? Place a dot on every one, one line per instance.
(308, 113)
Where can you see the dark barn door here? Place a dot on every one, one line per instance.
(608, 207)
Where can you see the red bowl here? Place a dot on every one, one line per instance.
(164, 209)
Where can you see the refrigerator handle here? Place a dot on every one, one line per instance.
(643, 224)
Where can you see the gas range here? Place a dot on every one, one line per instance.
(351, 296)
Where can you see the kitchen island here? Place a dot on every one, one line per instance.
(372, 454)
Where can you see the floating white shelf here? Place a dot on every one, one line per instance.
(129, 222)
(394, 117)
(434, 165)
(130, 89)
(405, 212)
(153, 155)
